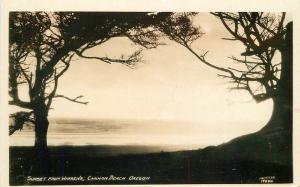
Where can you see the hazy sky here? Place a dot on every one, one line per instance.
(170, 84)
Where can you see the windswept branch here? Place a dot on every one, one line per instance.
(129, 61)
(20, 103)
(75, 100)
(246, 61)
(261, 33)
(231, 74)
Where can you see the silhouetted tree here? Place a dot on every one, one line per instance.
(42, 46)
(264, 36)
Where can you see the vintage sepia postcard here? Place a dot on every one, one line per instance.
(106, 93)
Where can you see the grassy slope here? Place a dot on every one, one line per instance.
(242, 160)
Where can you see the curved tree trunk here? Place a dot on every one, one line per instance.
(281, 123)
(282, 116)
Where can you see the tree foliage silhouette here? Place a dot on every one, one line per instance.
(42, 46)
(264, 35)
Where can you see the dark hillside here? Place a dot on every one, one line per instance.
(256, 158)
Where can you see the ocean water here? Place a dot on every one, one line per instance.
(176, 134)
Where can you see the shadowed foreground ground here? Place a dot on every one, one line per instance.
(249, 159)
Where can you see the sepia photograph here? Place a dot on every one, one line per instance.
(150, 97)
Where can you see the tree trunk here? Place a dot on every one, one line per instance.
(282, 116)
(281, 123)
(42, 162)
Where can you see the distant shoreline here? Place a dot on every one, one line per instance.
(148, 133)
(109, 150)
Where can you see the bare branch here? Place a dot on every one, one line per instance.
(230, 39)
(75, 100)
(245, 61)
(28, 78)
(232, 75)
(258, 97)
(129, 61)
(18, 102)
